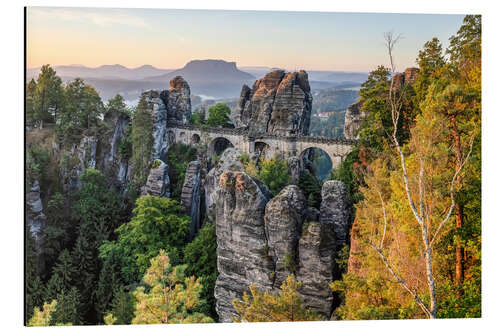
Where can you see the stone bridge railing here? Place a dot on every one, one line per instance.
(255, 136)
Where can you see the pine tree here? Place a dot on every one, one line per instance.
(62, 278)
(266, 307)
(67, 309)
(172, 297)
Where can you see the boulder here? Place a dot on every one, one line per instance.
(158, 182)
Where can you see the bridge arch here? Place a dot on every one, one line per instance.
(318, 160)
(218, 145)
(263, 149)
(195, 138)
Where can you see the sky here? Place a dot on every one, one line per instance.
(168, 38)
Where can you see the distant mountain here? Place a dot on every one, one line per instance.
(104, 72)
(216, 78)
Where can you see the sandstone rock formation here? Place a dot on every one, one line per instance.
(114, 164)
(178, 101)
(278, 103)
(35, 218)
(191, 196)
(334, 210)
(242, 257)
(172, 106)
(158, 182)
(262, 240)
(80, 157)
(229, 160)
(316, 258)
(354, 116)
(283, 222)
(409, 76)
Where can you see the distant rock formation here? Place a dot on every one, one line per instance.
(279, 103)
(261, 240)
(158, 182)
(191, 196)
(354, 116)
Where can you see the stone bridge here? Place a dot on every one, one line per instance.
(218, 139)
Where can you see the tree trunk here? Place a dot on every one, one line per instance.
(459, 211)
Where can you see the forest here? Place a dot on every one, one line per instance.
(113, 256)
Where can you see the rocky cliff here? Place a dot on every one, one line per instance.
(35, 218)
(409, 76)
(354, 116)
(229, 160)
(279, 103)
(191, 196)
(261, 240)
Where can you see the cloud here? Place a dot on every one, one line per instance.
(99, 17)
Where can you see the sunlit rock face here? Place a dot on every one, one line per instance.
(261, 240)
(279, 103)
(354, 116)
(229, 160)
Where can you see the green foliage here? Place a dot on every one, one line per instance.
(57, 232)
(82, 112)
(37, 164)
(110, 282)
(33, 284)
(45, 97)
(122, 307)
(125, 146)
(440, 115)
(311, 188)
(171, 296)
(63, 276)
(158, 223)
(97, 210)
(117, 103)
(142, 141)
(42, 317)
(274, 173)
(218, 115)
(200, 256)
(266, 307)
(67, 309)
(290, 262)
(198, 117)
(179, 155)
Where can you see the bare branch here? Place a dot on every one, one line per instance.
(402, 282)
(452, 188)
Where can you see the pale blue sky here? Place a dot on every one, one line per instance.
(169, 38)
